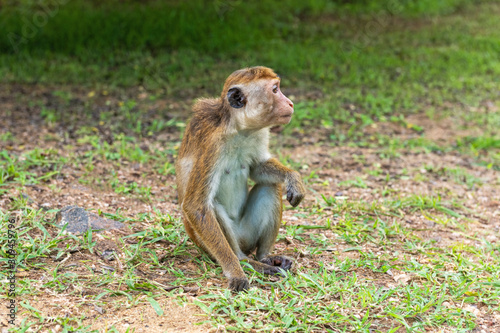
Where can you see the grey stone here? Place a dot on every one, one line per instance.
(108, 255)
(78, 220)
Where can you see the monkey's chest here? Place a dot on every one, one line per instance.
(239, 153)
(233, 186)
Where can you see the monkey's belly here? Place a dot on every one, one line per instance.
(232, 192)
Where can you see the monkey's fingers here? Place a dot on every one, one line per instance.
(239, 284)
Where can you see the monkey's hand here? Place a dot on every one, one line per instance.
(295, 190)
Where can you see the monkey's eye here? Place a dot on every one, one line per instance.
(275, 89)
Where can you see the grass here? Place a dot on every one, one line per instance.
(399, 70)
(329, 295)
(158, 25)
(447, 62)
(395, 133)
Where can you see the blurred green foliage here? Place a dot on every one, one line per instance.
(360, 61)
(76, 27)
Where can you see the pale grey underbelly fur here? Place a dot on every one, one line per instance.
(233, 190)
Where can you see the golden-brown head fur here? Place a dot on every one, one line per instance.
(247, 75)
(262, 103)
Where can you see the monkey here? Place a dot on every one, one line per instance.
(225, 143)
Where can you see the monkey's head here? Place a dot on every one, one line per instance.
(255, 100)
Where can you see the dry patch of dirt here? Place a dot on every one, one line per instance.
(140, 317)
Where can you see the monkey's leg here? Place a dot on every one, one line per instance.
(261, 221)
(210, 237)
(228, 228)
(194, 236)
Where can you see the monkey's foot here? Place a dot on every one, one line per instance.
(239, 283)
(279, 262)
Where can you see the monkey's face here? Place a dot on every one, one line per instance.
(282, 106)
(259, 104)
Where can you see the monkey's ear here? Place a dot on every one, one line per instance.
(236, 98)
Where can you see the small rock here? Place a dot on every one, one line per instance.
(106, 269)
(190, 289)
(472, 309)
(100, 223)
(78, 220)
(108, 255)
(27, 198)
(402, 278)
(491, 238)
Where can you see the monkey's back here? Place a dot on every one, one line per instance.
(201, 143)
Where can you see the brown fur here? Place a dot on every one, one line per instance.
(247, 75)
(274, 169)
(202, 147)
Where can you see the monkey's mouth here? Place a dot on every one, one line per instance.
(285, 119)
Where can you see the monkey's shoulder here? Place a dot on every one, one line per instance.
(201, 135)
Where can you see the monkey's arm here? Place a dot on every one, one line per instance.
(273, 172)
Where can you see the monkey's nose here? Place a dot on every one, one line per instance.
(291, 104)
